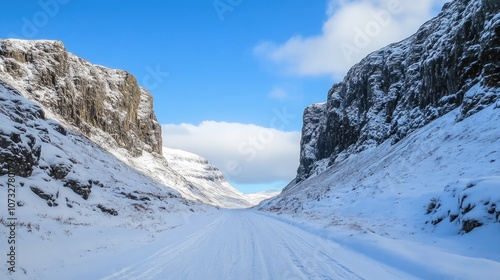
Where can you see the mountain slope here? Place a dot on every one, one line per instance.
(208, 178)
(409, 139)
(106, 105)
(70, 196)
(406, 85)
(388, 189)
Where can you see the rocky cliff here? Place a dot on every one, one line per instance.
(50, 166)
(87, 96)
(404, 86)
(105, 105)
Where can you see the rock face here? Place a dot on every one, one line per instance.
(105, 105)
(20, 150)
(406, 85)
(48, 165)
(85, 95)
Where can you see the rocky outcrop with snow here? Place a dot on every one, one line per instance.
(107, 106)
(91, 97)
(410, 137)
(408, 84)
(59, 174)
(467, 204)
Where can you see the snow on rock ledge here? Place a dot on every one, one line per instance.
(467, 204)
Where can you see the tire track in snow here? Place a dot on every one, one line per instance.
(242, 245)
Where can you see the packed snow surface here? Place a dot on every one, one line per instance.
(246, 244)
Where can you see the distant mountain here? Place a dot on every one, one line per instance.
(106, 105)
(258, 197)
(407, 121)
(207, 178)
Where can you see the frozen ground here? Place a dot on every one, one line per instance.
(246, 244)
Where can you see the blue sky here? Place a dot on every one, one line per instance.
(212, 72)
(230, 78)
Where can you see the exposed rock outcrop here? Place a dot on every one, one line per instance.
(51, 167)
(86, 95)
(20, 150)
(452, 61)
(467, 204)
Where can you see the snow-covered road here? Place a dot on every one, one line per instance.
(247, 245)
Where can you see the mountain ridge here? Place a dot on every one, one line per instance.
(197, 169)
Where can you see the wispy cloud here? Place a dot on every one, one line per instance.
(353, 29)
(278, 93)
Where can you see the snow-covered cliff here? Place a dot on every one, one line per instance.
(106, 105)
(91, 97)
(410, 136)
(406, 85)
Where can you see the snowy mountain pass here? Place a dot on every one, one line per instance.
(243, 244)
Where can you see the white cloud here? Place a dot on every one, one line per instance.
(352, 30)
(245, 153)
(278, 93)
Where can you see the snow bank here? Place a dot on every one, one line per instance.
(467, 204)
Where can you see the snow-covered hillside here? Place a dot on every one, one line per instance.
(207, 178)
(409, 140)
(106, 105)
(406, 85)
(258, 197)
(391, 189)
(68, 191)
